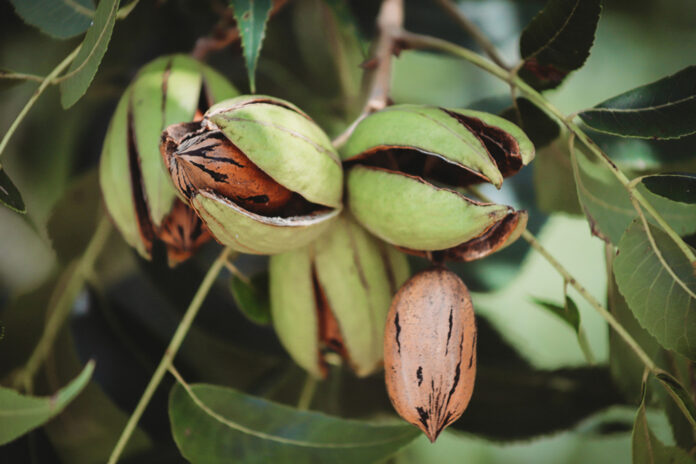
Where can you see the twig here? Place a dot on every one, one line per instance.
(225, 33)
(473, 30)
(418, 41)
(630, 341)
(65, 297)
(390, 22)
(21, 76)
(234, 270)
(307, 393)
(170, 352)
(48, 80)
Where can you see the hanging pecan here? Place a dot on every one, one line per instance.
(430, 350)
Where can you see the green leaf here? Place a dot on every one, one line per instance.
(568, 313)
(647, 154)
(74, 434)
(676, 187)
(539, 127)
(85, 64)
(608, 206)
(213, 424)
(554, 184)
(19, 414)
(659, 287)
(9, 195)
(664, 109)
(558, 41)
(625, 366)
(329, 43)
(648, 449)
(252, 297)
(679, 395)
(61, 19)
(251, 17)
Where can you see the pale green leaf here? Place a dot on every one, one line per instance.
(85, 64)
(659, 285)
(19, 413)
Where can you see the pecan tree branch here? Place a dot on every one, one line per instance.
(390, 21)
(473, 30)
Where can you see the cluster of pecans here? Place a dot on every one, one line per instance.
(186, 159)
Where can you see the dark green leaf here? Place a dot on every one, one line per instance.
(646, 154)
(679, 395)
(608, 206)
(73, 434)
(558, 41)
(554, 184)
(252, 298)
(329, 42)
(9, 195)
(251, 16)
(648, 449)
(58, 18)
(213, 424)
(539, 127)
(75, 216)
(664, 109)
(85, 64)
(659, 288)
(19, 414)
(676, 187)
(569, 312)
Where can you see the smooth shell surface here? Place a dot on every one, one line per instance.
(411, 213)
(430, 350)
(428, 129)
(252, 233)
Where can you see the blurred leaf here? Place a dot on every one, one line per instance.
(61, 19)
(568, 313)
(85, 64)
(80, 436)
(664, 109)
(625, 366)
(660, 288)
(558, 41)
(329, 42)
(19, 414)
(676, 406)
(74, 217)
(251, 16)
(9, 195)
(513, 401)
(679, 395)
(676, 187)
(213, 424)
(644, 154)
(252, 298)
(608, 206)
(539, 127)
(648, 449)
(554, 184)
(540, 337)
